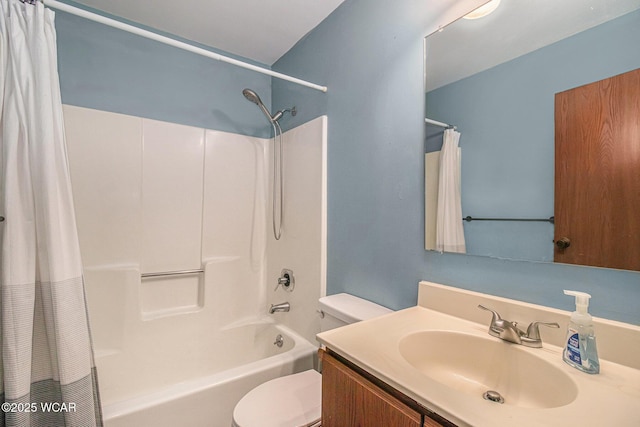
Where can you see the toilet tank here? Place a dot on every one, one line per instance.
(344, 309)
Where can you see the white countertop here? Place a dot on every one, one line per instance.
(609, 398)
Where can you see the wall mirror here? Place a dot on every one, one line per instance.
(495, 79)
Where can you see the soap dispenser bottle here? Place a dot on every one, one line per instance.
(580, 346)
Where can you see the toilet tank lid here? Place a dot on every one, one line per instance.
(351, 309)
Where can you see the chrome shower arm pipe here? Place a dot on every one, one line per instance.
(277, 116)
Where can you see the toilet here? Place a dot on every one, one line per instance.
(295, 400)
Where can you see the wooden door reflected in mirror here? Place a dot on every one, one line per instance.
(597, 173)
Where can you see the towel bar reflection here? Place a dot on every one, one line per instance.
(550, 219)
(172, 273)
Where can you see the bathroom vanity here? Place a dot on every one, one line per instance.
(351, 396)
(431, 365)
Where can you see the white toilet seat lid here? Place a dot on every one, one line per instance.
(293, 400)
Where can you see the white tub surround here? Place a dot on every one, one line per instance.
(610, 398)
(154, 197)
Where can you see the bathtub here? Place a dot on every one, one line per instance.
(188, 392)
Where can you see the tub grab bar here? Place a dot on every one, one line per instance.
(172, 273)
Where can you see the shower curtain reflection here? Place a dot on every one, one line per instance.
(449, 231)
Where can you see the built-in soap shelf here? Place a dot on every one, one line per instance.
(170, 293)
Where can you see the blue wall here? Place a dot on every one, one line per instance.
(506, 117)
(108, 69)
(369, 54)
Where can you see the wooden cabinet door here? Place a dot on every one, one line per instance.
(349, 399)
(597, 166)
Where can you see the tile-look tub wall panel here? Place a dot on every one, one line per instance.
(234, 221)
(106, 289)
(105, 155)
(172, 183)
(234, 200)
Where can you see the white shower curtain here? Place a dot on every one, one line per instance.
(47, 366)
(449, 230)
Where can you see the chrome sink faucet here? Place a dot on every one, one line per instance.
(509, 331)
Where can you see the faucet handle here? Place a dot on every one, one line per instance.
(496, 317)
(502, 328)
(533, 331)
(282, 281)
(497, 325)
(286, 280)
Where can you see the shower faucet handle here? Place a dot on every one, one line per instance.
(286, 280)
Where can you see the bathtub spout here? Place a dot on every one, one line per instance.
(279, 307)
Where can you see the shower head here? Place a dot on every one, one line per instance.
(253, 97)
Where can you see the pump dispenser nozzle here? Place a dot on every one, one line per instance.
(582, 300)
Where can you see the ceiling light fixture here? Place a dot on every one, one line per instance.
(483, 10)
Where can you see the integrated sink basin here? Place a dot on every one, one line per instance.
(440, 355)
(477, 365)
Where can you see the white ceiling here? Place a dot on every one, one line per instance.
(262, 30)
(466, 47)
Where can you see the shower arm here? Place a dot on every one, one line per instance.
(278, 114)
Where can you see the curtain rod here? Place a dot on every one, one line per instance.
(175, 43)
(437, 123)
